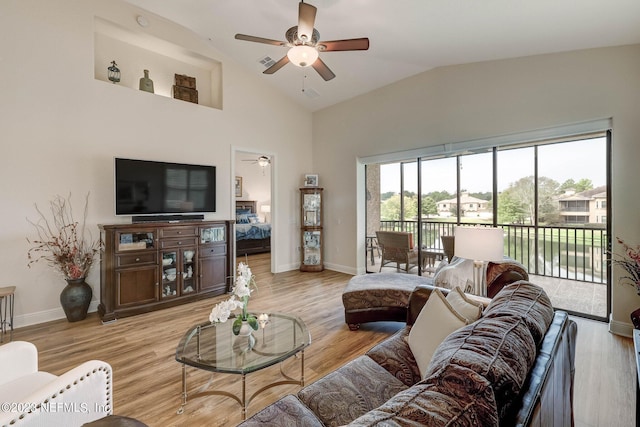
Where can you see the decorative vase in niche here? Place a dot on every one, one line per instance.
(146, 84)
(635, 318)
(75, 299)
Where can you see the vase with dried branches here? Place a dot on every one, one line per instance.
(65, 244)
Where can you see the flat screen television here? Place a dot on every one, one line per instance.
(158, 188)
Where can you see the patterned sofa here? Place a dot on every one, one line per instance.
(513, 366)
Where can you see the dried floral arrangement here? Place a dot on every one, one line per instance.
(62, 242)
(630, 263)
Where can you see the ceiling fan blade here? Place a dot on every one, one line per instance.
(349, 44)
(323, 70)
(275, 67)
(260, 40)
(306, 21)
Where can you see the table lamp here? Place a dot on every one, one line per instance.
(480, 244)
(265, 209)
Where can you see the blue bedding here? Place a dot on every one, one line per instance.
(253, 231)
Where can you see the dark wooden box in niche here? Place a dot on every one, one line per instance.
(189, 95)
(185, 81)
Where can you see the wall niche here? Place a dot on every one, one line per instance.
(135, 51)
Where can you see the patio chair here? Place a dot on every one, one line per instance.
(448, 246)
(397, 247)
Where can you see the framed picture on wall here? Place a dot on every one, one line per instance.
(311, 180)
(238, 186)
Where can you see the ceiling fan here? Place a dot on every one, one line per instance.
(304, 45)
(263, 161)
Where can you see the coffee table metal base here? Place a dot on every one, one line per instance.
(242, 399)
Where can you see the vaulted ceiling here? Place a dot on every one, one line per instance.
(407, 37)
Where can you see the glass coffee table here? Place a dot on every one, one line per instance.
(214, 348)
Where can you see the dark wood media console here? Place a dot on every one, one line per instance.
(150, 266)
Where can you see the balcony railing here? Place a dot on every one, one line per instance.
(574, 253)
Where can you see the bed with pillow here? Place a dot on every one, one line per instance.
(253, 236)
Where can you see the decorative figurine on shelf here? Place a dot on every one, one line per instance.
(114, 73)
(146, 84)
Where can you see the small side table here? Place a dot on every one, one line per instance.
(636, 347)
(6, 307)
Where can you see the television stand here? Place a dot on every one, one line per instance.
(154, 265)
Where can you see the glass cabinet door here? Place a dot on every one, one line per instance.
(188, 271)
(311, 208)
(178, 272)
(213, 234)
(135, 240)
(311, 253)
(169, 274)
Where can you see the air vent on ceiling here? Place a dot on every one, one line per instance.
(267, 61)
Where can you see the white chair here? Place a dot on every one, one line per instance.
(34, 398)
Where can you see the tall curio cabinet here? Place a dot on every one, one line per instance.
(311, 229)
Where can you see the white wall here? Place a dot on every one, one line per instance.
(61, 129)
(466, 102)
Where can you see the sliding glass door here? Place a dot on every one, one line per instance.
(550, 197)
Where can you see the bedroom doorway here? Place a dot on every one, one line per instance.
(253, 204)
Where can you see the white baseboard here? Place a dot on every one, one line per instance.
(46, 316)
(620, 328)
(341, 268)
(287, 267)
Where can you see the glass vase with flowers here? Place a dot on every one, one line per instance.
(245, 284)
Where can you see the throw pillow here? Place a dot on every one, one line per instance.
(242, 219)
(468, 308)
(436, 321)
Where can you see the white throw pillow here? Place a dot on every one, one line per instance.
(469, 309)
(436, 321)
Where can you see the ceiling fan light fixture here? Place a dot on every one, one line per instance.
(263, 161)
(302, 56)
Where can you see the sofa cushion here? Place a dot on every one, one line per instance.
(436, 321)
(288, 411)
(350, 391)
(456, 396)
(396, 357)
(527, 301)
(500, 349)
(469, 309)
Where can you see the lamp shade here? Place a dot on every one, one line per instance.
(265, 208)
(302, 56)
(479, 243)
(263, 161)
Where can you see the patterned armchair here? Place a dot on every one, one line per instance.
(397, 247)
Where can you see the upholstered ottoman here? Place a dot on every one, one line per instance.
(379, 297)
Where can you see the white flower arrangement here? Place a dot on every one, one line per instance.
(245, 284)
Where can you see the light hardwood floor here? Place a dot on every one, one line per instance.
(147, 379)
